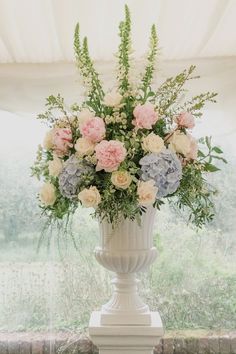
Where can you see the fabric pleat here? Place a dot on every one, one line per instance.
(33, 31)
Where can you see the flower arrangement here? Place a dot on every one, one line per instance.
(122, 151)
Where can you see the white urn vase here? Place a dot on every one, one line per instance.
(126, 248)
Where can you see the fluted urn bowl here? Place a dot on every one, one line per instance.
(126, 248)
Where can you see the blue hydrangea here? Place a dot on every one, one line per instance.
(165, 169)
(73, 175)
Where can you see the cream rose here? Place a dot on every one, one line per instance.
(84, 115)
(48, 140)
(112, 99)
(180, 142)
(192, 154)
(121, 179)
(153, 143)
(84, 147)
(55, 166)
(147, 192)
(48, 194)
(90, 197)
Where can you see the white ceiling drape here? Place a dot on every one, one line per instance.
(42, 30)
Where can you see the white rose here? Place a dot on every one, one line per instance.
(112, 99)
(146, 192)
(55, 166)
(84, 147)
(153, 143)
(48, 140)
(90, 197)
(84, 115)
(121, 179)
(48, 194)
(180, 142)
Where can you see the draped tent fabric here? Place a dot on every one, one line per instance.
(34, 31)
(36, 34)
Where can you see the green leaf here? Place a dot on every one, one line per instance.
(201, 140)
(208, 142)
(217, 150)
(219, 158)
(210, 168)
(150, 94)
(200, 154)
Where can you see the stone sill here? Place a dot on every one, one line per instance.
(174, 342)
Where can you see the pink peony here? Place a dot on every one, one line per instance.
(61, 141)
(93, 129)
(185, 120)
(145, 116)
(193, 152)
(109, 154)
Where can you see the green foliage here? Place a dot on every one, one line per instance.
(198, 102)
(62, 207)
(40, 167)
(150, 67)
(55, 108)
(195, 194)
(210, 154)
(124, 52)
(117, 202)
(88, 72)
(170, 91)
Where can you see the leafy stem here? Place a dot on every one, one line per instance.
(147, 77)
(212, 153)
(88, 72)
(124, 52)
(170, 90)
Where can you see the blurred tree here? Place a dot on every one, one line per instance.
(225, 205)
(19, 212)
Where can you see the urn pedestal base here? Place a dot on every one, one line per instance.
(125, 307)
(118, 339)
(125, 325)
